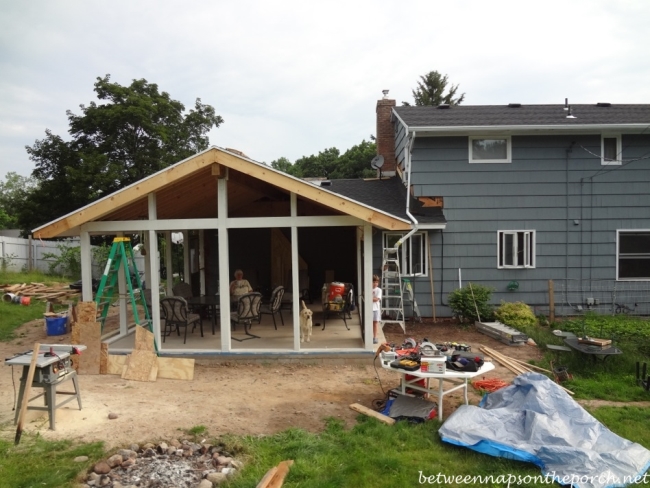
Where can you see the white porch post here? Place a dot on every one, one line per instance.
(367, 284)
(147, 264)
(121, 291)
(86, 266)
(186, 256)
(224, 272)
(295, 275)
(152, 255)
(168, 262)
(359, 235)
(202, 260)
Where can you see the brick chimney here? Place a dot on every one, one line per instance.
(386, 134)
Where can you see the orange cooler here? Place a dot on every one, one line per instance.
(336, 288)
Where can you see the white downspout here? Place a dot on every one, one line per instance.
(408, 192)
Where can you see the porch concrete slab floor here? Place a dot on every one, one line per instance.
(335, 335)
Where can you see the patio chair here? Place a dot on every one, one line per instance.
(274, 306)
(182, 289)
(248, 309)
(343, 309)
(176, 314)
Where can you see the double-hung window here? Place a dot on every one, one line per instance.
(516, 249)
(412, 253)
(497, 149)
(633, 254)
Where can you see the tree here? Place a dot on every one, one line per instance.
(135, 132)
(330, 163)
(13, 193)
(431, 91)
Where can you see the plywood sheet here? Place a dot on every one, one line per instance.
(90, 336)
(74, 333)
(140, 365)
(86, 312)
(103, 358)
(115, 364)
(143, 339)
(176, 368)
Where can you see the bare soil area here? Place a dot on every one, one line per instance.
(235, 397)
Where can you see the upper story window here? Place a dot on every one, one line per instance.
(516, 249)
(633, 254)
(490, 149)
(610, 149)
(412, 253)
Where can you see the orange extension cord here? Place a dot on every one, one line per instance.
(489, 385)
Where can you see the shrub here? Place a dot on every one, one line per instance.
(516, 314)
(466, 300)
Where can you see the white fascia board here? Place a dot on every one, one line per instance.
(529, 129)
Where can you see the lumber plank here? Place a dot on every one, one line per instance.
(27, 392)
(371, 413)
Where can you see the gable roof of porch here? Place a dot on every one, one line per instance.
(187, 189)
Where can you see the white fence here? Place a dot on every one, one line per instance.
(18, 254)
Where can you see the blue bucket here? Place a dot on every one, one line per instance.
(55, 325)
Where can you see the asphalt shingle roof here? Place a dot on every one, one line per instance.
(388, 195)
(526, 115)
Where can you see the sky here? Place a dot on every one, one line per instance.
(292, 78)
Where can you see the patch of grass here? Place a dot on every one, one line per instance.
(369, 454)
(197, 430)
(613, 379)
(632, 423)
(47, 464)
(13, 316)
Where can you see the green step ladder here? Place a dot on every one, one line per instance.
(121, 256)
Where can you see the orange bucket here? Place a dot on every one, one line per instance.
(25, 300)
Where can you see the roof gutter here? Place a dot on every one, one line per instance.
(408, 191)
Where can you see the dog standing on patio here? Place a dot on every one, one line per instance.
(305, 323)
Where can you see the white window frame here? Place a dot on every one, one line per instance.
(618, 253)
(529, 251)
(611, 162)
(406, 258)
(508, 158)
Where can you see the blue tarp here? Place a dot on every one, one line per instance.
(535, 420)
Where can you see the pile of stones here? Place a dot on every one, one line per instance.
(173, 464)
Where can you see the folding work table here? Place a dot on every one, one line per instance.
(436, 390)
(51, 371)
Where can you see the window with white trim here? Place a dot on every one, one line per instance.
(633, 255)
(610, 149)
(412, 253)
(490, 149)
(516, 249)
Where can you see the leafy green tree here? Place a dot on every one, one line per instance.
(13, 193)
(355, 162)
(283, 164)
(431, 91)
(330, 163)
(134, 131)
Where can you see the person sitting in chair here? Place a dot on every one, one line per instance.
(239, 286)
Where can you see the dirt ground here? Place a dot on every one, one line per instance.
(235, 397)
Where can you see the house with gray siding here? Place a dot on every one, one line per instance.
(529, 193)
